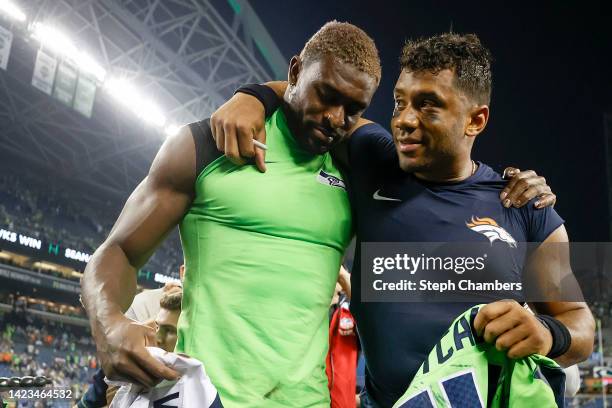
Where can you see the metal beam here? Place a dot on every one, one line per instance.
(254, 28)
(143, 31)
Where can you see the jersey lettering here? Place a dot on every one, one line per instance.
(459, 391)
(461, 330)
(160, 403)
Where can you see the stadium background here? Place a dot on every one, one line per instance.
(77, 134)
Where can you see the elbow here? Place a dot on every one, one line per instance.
(584, 337)
(89, 274)
(589, 333)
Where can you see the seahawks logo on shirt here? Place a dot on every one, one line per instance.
(489, 228)
(325, 178)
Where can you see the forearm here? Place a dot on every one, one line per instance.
(279, 87)
(581, 327)
(108, 286)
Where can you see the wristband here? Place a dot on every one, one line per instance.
(264, 94)
(561, 338)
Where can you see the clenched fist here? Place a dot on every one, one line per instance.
(512, 328)
(122, 352)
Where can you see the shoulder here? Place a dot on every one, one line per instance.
(174, 164)
(372, 132)
(537, 224)
(372, 144)
(200, 129)
(486, 176)
(205, 146)
(541, 222)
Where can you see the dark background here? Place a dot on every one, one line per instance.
(551, 82)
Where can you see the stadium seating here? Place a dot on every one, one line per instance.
(70, 217)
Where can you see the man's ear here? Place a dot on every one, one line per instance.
(295, 67)
(479, 116)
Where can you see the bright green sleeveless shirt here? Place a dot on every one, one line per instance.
(262, 253)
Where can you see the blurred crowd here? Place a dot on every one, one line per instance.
(69, 217)
(21, 303)
(34, 347)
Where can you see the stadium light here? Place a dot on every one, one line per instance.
(89, 65)
(172, 130)
(59, 43)
(120, 89)
(9, 8)
(127, 95)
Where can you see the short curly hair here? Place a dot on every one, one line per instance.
(172, 299)
(463, 53)
(346, 42)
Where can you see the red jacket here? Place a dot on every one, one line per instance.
(341, 367)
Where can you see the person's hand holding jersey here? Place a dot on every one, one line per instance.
(512, 328)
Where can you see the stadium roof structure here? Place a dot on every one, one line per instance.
(186, 55)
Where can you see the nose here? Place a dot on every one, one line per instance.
(336, 117)
(407, 120)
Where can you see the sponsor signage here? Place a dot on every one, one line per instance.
(65, 82)
(44, 72)
(85, 95)
(48, 250)
(6, 40)
(43, 249)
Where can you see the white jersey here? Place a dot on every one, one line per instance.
(193, 389)
(145, 305)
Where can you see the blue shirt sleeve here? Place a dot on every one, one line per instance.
(95, 396)
(372, 145)
(541, 222)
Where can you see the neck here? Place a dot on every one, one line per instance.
(291, 118)
(451, 171)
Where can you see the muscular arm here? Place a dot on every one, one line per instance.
(512, 328)
(109, 282)
(552, 259)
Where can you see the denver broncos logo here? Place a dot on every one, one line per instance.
(489, 228)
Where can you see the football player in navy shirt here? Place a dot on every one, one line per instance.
(420, 184)
(442, 101)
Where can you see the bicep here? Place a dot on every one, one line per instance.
(159, 202)
(552, 286)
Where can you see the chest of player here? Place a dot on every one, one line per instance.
(306, 200)
(469, 223)
(411, 212)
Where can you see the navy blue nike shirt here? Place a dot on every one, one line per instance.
(392, 206)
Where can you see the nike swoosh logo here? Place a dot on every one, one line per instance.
(378, 197)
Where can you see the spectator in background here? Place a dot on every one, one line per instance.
(167, 319)
(165, 324)
(146, 304)
(343, 352)
(144, 309)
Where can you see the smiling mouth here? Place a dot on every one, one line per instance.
(407, 146)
